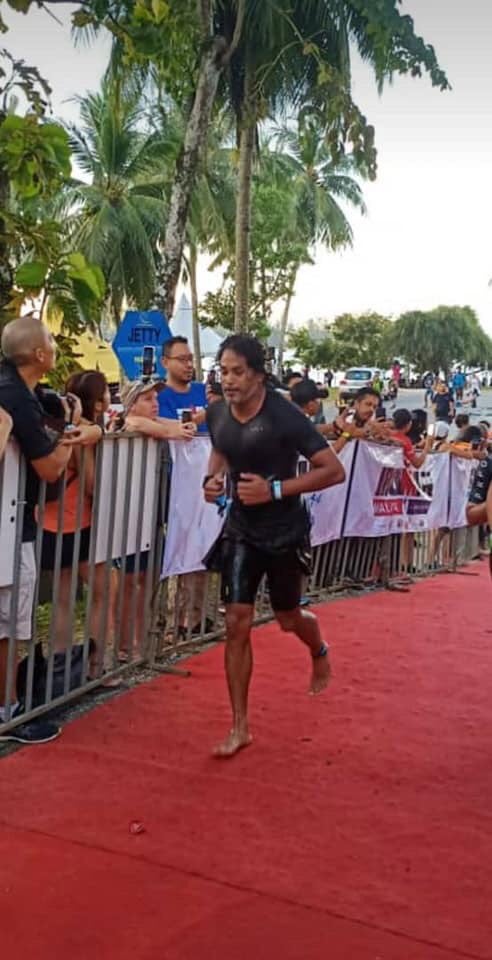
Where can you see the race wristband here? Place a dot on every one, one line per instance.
(276, 489)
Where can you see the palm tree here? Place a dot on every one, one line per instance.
(296, 56)
(117, 216)
(318, 184)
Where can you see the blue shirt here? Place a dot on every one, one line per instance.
(172, 402)
(459, 380)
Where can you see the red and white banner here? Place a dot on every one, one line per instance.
(387, 497)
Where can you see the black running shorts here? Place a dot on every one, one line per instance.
(243, 566)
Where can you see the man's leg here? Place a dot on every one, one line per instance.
(306, 626)
(285, 577)
(242, 570)
(238, 666)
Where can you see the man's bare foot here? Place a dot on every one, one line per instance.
(234, 742)
(321, 674)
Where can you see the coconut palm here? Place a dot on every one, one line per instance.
(322, 189)
(296, 56)
(117, 213)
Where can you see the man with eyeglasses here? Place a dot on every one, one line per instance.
(182, 392)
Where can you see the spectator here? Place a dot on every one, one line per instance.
(471, 444)
(443, 402)
(377, 383)
(418, 429)
(307, 395)
(92, 390)
(328, 378)
(402, 422)
(5, 430)
(182, 392)
(141, 412)
(439, 433)
(29, 353)
(462, 421)
(458, 383)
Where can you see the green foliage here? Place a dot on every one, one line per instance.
(350, 340)
(217, 310)
(435, 339)
(118, 218)
(34, 154)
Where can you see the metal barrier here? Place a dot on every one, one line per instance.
(95, 587)
(102, 610)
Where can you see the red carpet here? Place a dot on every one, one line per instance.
(358, 826)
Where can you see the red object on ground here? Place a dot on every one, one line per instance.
(358, 826)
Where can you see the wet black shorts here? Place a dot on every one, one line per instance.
(243, 566)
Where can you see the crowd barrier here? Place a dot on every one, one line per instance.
(134, 592)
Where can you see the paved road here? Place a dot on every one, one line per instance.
(414, 399)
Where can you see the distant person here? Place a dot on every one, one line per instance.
(329, 378)
(402, 425)
(308, 396)
(443, 403)
(458, 384)
(181, 392)
(396, 373)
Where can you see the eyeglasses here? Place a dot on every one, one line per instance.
(186, 358)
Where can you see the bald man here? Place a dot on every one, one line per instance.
(29, 352)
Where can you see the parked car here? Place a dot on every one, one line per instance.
(354, 380)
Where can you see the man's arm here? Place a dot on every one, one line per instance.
(326, 471)
(217, 468)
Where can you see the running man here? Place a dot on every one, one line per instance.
(257, 436)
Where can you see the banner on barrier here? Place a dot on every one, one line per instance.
(193, 524)
(327, 507)
(462, 473)
(386, 497)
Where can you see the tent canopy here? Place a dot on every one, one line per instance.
(182, 326)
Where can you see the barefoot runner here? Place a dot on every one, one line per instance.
(257, 436)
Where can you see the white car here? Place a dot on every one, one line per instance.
(356, 378)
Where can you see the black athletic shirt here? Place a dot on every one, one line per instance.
(268, 445)
(29, 429)
(481, 481)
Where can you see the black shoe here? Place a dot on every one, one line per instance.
(33, 731)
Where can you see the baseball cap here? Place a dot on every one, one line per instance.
(305, 391)
(132, 391)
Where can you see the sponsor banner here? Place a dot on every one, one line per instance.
(462, 473)
(193, 524)
(386, 497)
(327, 507)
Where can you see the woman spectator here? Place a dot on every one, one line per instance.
(92, 391)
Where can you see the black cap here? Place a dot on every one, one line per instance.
(305, 391)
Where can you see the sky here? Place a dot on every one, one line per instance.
(426, 239)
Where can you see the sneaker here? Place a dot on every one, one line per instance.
(34, 731)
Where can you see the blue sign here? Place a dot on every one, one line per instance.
(138, 342)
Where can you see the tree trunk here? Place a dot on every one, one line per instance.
(197, 353)
(243, 204)
(6, 275)
(284, 323)
(184, 181)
